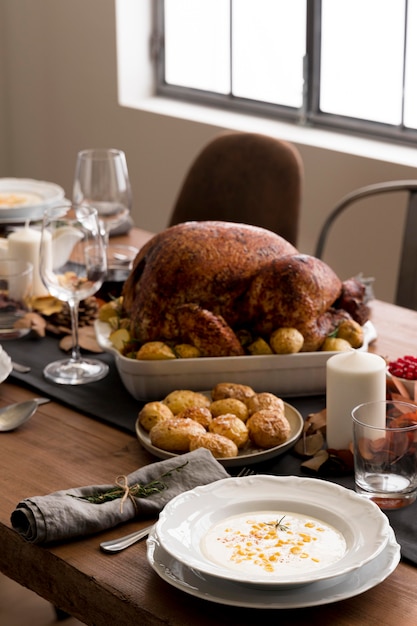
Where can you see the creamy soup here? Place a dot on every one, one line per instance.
(15, 200)
(273, 542)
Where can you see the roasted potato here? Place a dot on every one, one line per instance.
(155, 351)
(152, 413)
(231, 427)
(186, 351)
(268, 428)
(221, 447)
(120, 338)
(229, 405)
(200, 414)
(182, 399)
(110, 310)
(286, 341)
(259, 346)
(352, 332)
(174, 435)
(264, 400)
(336, 344)
(232, 390)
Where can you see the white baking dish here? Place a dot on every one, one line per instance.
(299, 374)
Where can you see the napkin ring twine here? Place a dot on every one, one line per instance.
(121, 481)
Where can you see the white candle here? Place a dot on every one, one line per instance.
(24, 244)
(352, 378)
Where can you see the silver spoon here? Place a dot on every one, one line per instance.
(116, 545)
(15, 415)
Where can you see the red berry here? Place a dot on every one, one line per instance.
(404, 367)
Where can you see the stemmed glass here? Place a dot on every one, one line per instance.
(101, 180)
(72, 266)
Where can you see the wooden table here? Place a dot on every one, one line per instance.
(60, 448)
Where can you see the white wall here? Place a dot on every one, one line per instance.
(58, 94)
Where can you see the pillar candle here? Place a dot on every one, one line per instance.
(352, 378)
(24, 244)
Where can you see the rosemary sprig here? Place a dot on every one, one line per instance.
(136, 490)
(279, 525)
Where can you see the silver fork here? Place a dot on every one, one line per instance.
(117, 545)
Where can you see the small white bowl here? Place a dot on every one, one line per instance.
(408, 384)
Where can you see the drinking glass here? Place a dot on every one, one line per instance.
(72, 267)
(102, 181)
(16, 291)
(385, 452)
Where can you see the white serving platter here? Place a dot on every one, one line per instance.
(30, 199)
(249, 454)
(288, 375)
(187, 519)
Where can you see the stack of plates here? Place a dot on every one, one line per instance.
(24, 199)
(349, 545)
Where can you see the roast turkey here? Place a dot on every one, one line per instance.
(206, 282)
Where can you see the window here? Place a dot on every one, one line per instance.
(350, 64)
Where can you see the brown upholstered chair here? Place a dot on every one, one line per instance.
(244, 177)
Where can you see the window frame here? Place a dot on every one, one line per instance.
(309, 115)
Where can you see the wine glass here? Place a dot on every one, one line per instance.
(102, 180)
(72, 266)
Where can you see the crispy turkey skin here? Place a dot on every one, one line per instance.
(201, 282)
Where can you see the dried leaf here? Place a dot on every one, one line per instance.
(309, 445)
(47, 305)
(35, 322)
(313, 465)
(86, 338)
(315, 422)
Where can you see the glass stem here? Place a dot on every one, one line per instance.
(75, 351)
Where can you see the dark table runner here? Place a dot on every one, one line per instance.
(107, 400)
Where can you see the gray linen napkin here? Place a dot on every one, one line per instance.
(59, 515)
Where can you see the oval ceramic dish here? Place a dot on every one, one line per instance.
(247, 455)
(186, 520)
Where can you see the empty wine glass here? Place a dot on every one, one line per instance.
(72, 266)
(102, 181)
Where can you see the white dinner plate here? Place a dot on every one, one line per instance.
(247, 455)
(232, 593)
(5, 364)
(30, 199)
(186, 520)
